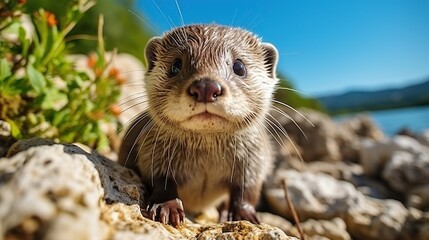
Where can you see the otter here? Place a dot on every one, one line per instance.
(203, 140)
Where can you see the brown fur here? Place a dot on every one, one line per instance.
(204, 160)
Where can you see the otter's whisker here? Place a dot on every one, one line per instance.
(290, 118)
(233, 18)
(180, 12)
(132, 106)
(296, 111)
(234, 158)
(170, 23)
(140, 118)
(153, 153)
(143, 21)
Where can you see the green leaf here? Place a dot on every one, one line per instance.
(15, 131)
(37, 81)
(54, 99)
(24, 40)
(61, 117)
(4, 70)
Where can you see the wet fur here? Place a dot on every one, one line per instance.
(205, 161)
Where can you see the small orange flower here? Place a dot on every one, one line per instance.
(113, 72)
(50, 19)
(22, 1)
(115, 109)
(92, 60)
(120, 80)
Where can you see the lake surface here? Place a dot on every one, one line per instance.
(393, 120)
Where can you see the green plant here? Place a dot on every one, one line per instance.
(41, 92)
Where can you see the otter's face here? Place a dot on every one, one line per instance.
(209, 78)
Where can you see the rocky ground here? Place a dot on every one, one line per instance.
(346, 181)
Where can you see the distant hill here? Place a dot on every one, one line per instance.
(354, 101)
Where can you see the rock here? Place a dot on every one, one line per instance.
(45, 188)
(63, 192)
(277, 221)
(316, 137)
(418, 197)
(303, 132)
(372, 187)
(317, 196)
(405, 170)
(334, 229)
(417, 226)
(374, 155)
(374, 218)
(423, 137)
(364, 127)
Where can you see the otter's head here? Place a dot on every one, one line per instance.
(209, 78)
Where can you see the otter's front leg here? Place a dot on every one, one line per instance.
(164, 203)
(242, 203)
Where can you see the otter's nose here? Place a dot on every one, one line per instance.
(205, 90)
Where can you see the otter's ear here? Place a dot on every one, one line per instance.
(152, 49)
(271, 57)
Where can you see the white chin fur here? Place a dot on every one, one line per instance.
(206, 124)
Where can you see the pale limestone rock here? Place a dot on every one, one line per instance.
(418, 197)
(314, 195)
(405, 170)
(45, 188)
(423, 137)
(316, 137)
(375, 154)
(334, 229)
(63, 192)
(417, 226)
(374, 218)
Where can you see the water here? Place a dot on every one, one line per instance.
(391, 121)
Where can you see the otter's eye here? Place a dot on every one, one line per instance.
(176, 67)
(239, 68)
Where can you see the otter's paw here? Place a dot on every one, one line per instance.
(245, 212)
(168, 212)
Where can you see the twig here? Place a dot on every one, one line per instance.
(292, 210)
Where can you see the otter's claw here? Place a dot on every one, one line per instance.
(245, 212)
(168, 212)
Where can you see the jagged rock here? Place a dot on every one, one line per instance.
(374, 155)
(405, 170)
(334, 229)
(303, 132)
(314, 195)
(374, 218)
(363, 126)
(316, 137)
(63, 192)
(338, 170)
(418, 197)
(424, 138)
(416, 226)
(319, 196)
(277, 221)
(372, 187)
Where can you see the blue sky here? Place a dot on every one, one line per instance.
(326, 46)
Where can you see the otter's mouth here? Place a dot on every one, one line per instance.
(206, 116)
